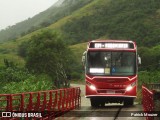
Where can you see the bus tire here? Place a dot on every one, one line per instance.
(129, 102)
(102, 103)
(94, 102)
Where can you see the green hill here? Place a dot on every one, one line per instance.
(136, 20)
(113, 19)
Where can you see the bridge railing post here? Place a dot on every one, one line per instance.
(22, 102)
(9, 103)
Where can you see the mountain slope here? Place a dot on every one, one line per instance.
(116, 19)
(57, 11)
(112, 19)
(86, 10)
(108, 19)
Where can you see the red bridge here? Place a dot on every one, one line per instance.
(54, 103)
(50, 103)
(151, 100)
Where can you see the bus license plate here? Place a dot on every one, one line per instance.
(110, 91)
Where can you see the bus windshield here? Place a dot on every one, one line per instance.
(111, 63)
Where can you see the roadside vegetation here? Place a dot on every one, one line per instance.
(15, 79)
(48, 63)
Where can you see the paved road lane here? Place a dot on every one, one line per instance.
(109, 112)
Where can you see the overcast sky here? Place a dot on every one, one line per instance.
(13, 11)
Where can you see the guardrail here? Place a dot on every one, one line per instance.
(51, 103)
(151, 99)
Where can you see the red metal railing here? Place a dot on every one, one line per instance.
(51, 103)
(151, 99)
(148, 103)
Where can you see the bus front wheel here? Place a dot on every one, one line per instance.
(128, 101)
(94, 102)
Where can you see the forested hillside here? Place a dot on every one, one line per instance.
(57, 11)
(137, 20)
(122, 19)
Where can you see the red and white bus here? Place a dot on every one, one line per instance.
(111, 71)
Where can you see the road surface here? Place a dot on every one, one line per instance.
(109, 112)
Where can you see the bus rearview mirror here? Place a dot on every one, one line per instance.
(139, 60)
(84, 58)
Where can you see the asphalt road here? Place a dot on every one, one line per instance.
(109, 112)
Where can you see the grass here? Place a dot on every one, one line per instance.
(31, 84)
(87, 10)
(81, 82)
(78, 50)
(12, 57)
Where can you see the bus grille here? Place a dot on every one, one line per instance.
(109, 91)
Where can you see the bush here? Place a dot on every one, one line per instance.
(14, 79)
(146, 77)
(13, 73)
(76, 75)
(49, 54)
(30, 84)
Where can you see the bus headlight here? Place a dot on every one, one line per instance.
(130, 86)
(92, 87)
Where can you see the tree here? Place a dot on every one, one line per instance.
(22, 49)
(49, 54)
